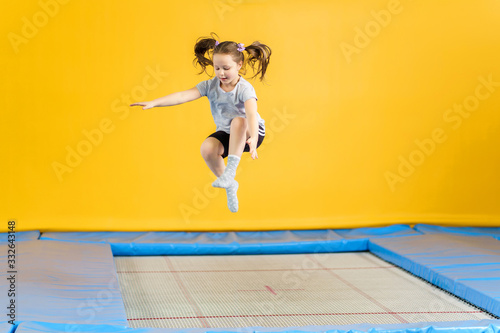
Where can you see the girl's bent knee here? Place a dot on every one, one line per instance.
(239, 121)
(206, 149)
(209, 148)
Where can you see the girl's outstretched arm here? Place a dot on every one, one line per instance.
(175, 98)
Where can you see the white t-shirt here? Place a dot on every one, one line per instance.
(227, 105)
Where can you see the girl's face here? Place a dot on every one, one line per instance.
(225, 68)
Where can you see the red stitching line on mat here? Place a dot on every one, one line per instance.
(373, 300)
(270, 289)
(267, 290)
(310, 314)
(260, 270)
(186, 294)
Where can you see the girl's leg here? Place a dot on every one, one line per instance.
(212, 150)
(239, 135)
(237, 141)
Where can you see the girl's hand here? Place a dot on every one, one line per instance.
(252, 142)
(147, 105)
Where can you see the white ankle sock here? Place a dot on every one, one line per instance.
(232, 199)
(229, 172)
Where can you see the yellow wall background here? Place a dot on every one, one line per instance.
(377, 112)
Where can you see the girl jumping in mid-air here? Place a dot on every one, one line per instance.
(233, 103)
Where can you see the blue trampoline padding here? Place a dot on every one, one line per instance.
(63, 282)
(468, 231)
(20, 236)
(466, 266)
(216, 243)
(395, 230)
(5, 327)
(480, 326)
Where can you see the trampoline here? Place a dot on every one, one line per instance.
(279, 291)
(390, 279)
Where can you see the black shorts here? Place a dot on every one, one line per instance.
(223, 137)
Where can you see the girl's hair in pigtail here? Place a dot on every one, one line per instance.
(202, 46)
(257, 52)
(261, 53)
